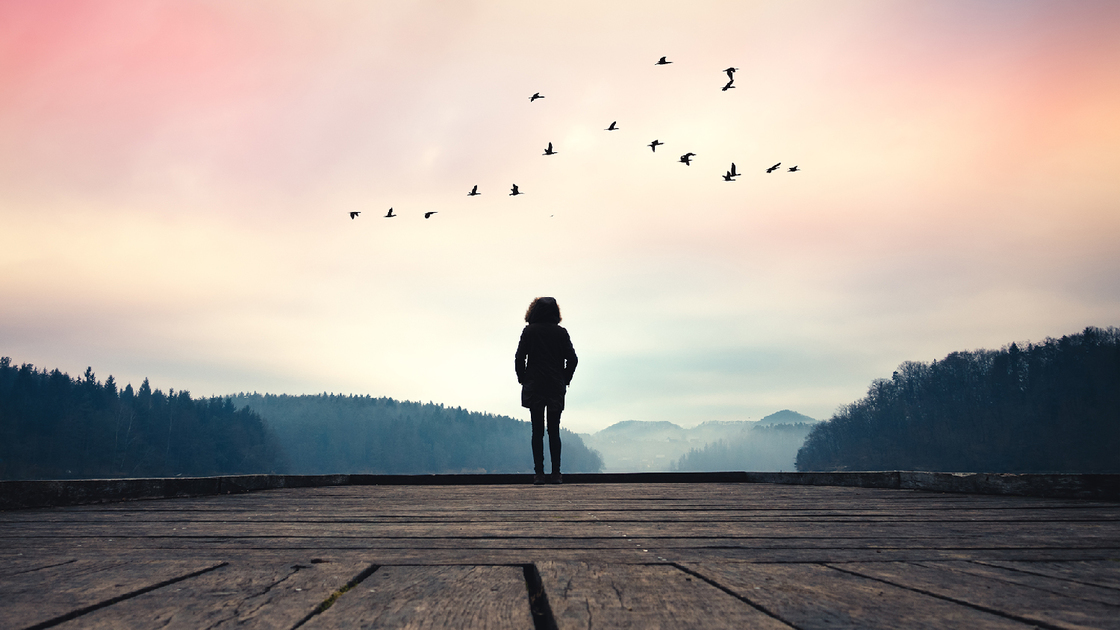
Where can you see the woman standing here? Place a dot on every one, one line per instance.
(545, 363)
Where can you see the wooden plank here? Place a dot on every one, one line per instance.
(242, 595)
(52, 593)
(1098, 573)
(482, 597)
(589, 596)
(1025, 603)
(812, 596)
(1057, 586)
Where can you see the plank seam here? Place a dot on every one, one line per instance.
(1052, 577)
(333, 597)
(1035, 622)
(73, 614)
(759, 607)
(538, 599)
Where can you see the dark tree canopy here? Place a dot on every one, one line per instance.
(56, 427)
(1047, 407)
(329, 433)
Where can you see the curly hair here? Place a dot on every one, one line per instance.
(543, 310)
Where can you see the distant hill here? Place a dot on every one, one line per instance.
(329, 433)
(759, 447)
(786, 416)
(643, 446)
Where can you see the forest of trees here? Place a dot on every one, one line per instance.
(758, 447)
(53, 426)
(1047, 407)
(328, 433)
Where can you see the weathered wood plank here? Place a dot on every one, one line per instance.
(589, 596)
(813, 596)
(36, 597)
(1097, 573)
(242, 595)
(1056, 586)
(482, 597)
(1025, 603)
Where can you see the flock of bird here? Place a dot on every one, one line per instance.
(685, 159)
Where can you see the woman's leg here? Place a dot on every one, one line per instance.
(554, 437)
(536, 414)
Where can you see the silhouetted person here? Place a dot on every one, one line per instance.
(545, 362)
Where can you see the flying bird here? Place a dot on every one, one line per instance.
(728, 177)
(773, 168)
(354, 215)
(474, 191)
(549, 150)
(733, 172)
(390, 214)
(428, 215)
(687, 159)
(793, 169)
(535, 96)
(731, 73)
(656, 143)
(662, 62)
(730, 85)
(613, 127)
(516, 191)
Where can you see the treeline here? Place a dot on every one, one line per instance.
(1047, 407)
(53, 426)
(329, 433)
(758, 448)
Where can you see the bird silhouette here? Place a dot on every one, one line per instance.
(794, 169)
(390, 214)
(731, 73)
(656, 143)
(730, 85)
(733, 172)
(355, 214)
(515, 191)
(687, 159)
(613, 127)
(535, 96)
(549, 150)
(662, 62)
(474, 191)
(728, 177)
(428, 215)
(773, 168)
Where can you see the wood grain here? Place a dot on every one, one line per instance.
(422, 597)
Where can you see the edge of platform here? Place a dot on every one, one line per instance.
(55, 493)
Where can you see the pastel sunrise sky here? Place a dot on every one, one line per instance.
(176, 180)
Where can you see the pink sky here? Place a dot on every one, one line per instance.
(175, 182)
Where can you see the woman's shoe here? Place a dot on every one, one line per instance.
(556, 478)
(538, 480)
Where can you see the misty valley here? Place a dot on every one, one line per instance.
(1053, 406)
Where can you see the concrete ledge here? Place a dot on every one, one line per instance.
(16, 495)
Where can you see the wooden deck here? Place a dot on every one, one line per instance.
(571, 556)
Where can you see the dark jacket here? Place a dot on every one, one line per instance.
(545, 362)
